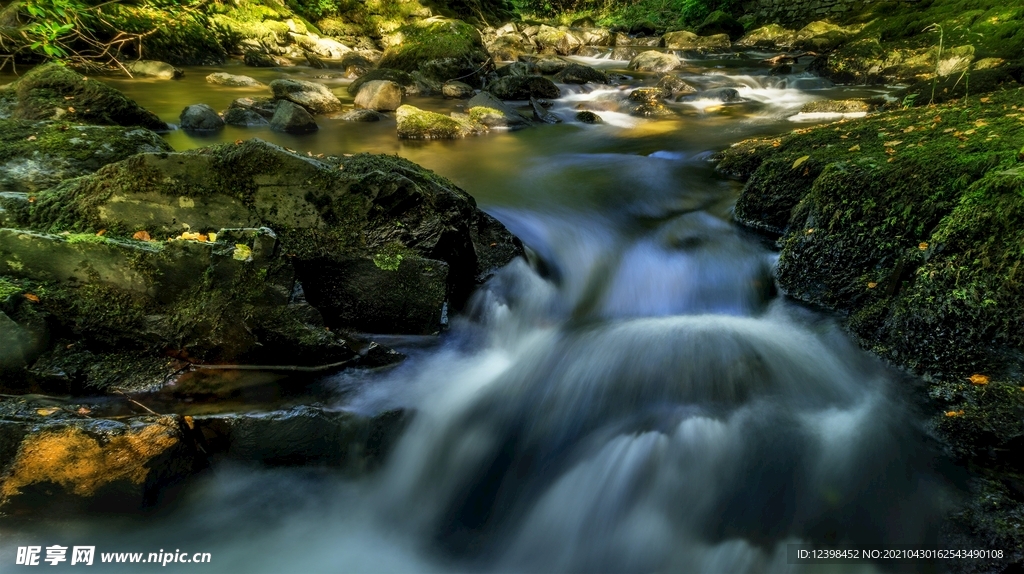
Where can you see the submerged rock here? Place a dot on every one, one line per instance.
(243, 117)
(54, 91)
(306, 435)
(154, 69)
(39, 155)
(457, 90)
(360, 116)
(292, 118)
(652, 61)
(588, 117)
(379, 95)
(314, 97)
(524, 88)
(200, 118)
(231, 80)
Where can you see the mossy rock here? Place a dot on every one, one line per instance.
(719, 22)
(55, 92)
(771, 36)
(72, 464)
(417, 124)
(441, 49)
(179, 37)
(39, 155)
(328, 213)
(524, 88)
(399, 77)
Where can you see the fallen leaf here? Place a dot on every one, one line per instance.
(872, 285)
(83, 411)
(69, 98)
(71, 110)
(242, 252)
(978, 379)
(809, 231)
(238, 142)
(31, 138)
(986, 100)
(32, 297)
(142, 236)
(893, 143)
(213, 237)
(922, 246)
(954, 413)
(800, 161)
(190, 422)
(855, 148)
(101, 233)
(47, 411)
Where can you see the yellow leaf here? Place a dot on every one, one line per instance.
(31, 138)
(101, 233)
(800, 161)
(47, 411)
(872, 285)
(213, 237)
(809, 231)
(893, 143)
(855, 148)
(242, 252)
(978, 379)
(922, 246)
(32, 297)
(954, 413)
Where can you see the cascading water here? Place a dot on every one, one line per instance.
(636, 398)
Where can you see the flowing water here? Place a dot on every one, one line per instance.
(635, 398)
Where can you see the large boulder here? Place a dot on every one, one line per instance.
(293, 119)
(54, 91)
(457, 90)
(524, 88)
(404, 79)
(653, 61)
(417, 124)
(316, 98)
(245, 118)
(822, 36)
(154, 69)
(557, 40)
(441, 50)
(379, 95)
(39, 155)
(379, 244)
(200, 118)
(233, 81)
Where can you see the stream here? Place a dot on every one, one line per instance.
(635, 398)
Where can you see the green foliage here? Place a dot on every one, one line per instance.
(662, 14)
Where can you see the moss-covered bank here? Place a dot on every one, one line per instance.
(908, 223)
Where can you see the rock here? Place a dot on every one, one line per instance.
(200, 118)
(652, 61)
(316, 98)
(584, 22)
(647, 42)
(689, 41)
(71, 464)
(14, 347)
(644, 28)
(771, 37)
(245, 118)
(399, 77)
(39, 155)
(488, 110)
(457, 90)
(675, 86)
(379, 95)
(551, 65)
(154, 69)
(359, 63)
(542, 115)
(378, 244)
(724, 95)
(265, 107)
(360, 116)
(719, 22)
(306, 435)
(293, 119)
(231, 80)
(414, 123)
(577, 74)
(836, 107)
(524, 88)
(258, 59)
(822, 36)
(54, 91)
(588, 117)
(508, 48)
(647, 95)
(321, 47)
(441, 50)
(562, 42)
(314, 61)
(518, 69)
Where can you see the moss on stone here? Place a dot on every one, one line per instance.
(440, 49)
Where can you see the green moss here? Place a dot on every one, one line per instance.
(169, 33)
(86, 238)
(8, 289)
(442, 50)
